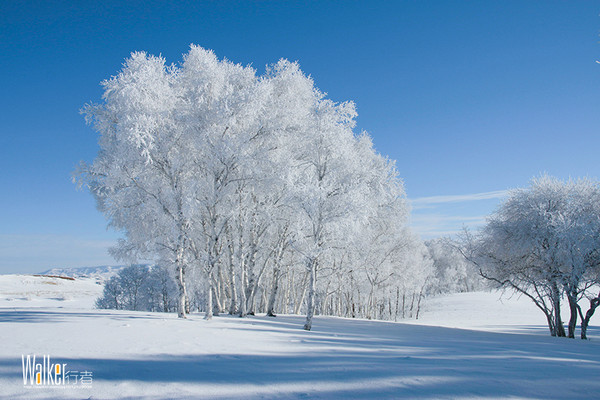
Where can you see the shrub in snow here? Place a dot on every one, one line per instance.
(140, 288)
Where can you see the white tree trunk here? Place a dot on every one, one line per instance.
(274, 289)
(302, 295)
(181, 304)
(233, 304)
(312, 280)
(242, 292)
(208, 314)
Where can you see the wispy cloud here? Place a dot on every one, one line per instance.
(435, 225)
(438, 218)
(425, 202)
(447, 215)
(431, 233)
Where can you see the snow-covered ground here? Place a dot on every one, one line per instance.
(32, 291)
(501, 350)
(487, 311)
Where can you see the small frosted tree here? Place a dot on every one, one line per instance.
(544, 242)
(112, 295)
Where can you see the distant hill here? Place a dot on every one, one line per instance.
(100, 273)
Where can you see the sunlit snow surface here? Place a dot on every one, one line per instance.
(463, 346)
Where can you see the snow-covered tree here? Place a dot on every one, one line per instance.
(544, 242)
(453, 273)
(140, 288)
(254, 190)
(143, 175)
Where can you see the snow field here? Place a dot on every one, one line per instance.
(155, 355)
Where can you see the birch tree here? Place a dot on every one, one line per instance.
(141, 178)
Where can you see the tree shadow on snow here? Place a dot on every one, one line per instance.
(47, 316)
(363, 359)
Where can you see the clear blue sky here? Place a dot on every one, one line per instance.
(469, 97)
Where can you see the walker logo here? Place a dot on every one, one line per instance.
(44, 372)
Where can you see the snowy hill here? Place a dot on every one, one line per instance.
(48, 291)
(101, 273)
(501, 351)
